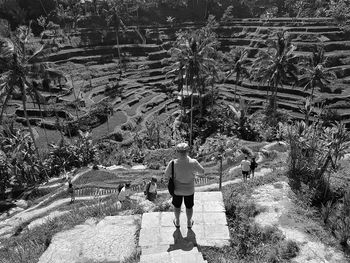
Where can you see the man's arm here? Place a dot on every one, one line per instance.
(198, 167)
(168, 171)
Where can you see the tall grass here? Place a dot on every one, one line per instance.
(249, 241)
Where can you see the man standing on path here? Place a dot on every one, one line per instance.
(151, 190)
(245, 166)
(184, 169)
(253, 165)
(71, 190)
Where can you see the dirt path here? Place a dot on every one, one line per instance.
(274, 197)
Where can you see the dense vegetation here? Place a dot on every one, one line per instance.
(19, 12)
(195, 69)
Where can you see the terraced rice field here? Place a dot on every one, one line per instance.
(90, 63)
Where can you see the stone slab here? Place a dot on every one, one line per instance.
(158, 233)
(175, 256)
(112, 239)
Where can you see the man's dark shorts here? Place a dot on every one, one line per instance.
(189, 201)
(245, 173)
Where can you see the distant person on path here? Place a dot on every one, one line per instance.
(184, 175)
(124, 193)
(71, 190)
(245, 166)
(253, 166)
(151, 190)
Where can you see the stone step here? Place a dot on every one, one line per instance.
(158, 234)
(175, 256)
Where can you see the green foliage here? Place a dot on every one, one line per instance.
(276, 66)
(218, 147)
(19, 163)
(64, 157)
(157, 133)
(159, 156)
(247, 151)
(315, 152)
(20, 12)
(250, 242)
(194, 57)
(314, 72)
(340, 10)
(227, 16)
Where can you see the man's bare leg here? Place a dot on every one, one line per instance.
(177, 212)
(189, 214)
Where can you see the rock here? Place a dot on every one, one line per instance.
(112, 239)
(139, 167)
(115, 167)
(22, 203)
(276, 146)
(147, 206)
(165, 206)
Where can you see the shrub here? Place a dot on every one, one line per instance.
(129, 126)
(290, 249)
(116, 136)
(161, 156)
(20, 165)
(314, 154)
(339, 10)
(246, 151)
(249, 241)
(154, 166)
(227, 15)
(65, 156)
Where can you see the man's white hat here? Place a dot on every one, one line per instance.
(182, 147)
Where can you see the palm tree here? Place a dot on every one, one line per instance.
(276, 66)
(114, 19)
(315, 73)
(193, 56)
(14, 72)
(237, 60)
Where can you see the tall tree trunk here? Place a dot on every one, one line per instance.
(212, 96)
(24, 101)
(4, 106)
(182, 98)
(107, 115)
(236, 83)
(76, 101)
(220, 178)
(118, 47)
(42, 118)
(191, 121)
(200, 97)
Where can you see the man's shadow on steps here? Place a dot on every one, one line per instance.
(183, 243)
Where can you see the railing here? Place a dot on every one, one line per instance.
(99, 191)
(94, 191)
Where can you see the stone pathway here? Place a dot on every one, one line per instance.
(95, 242)
(161, 242)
